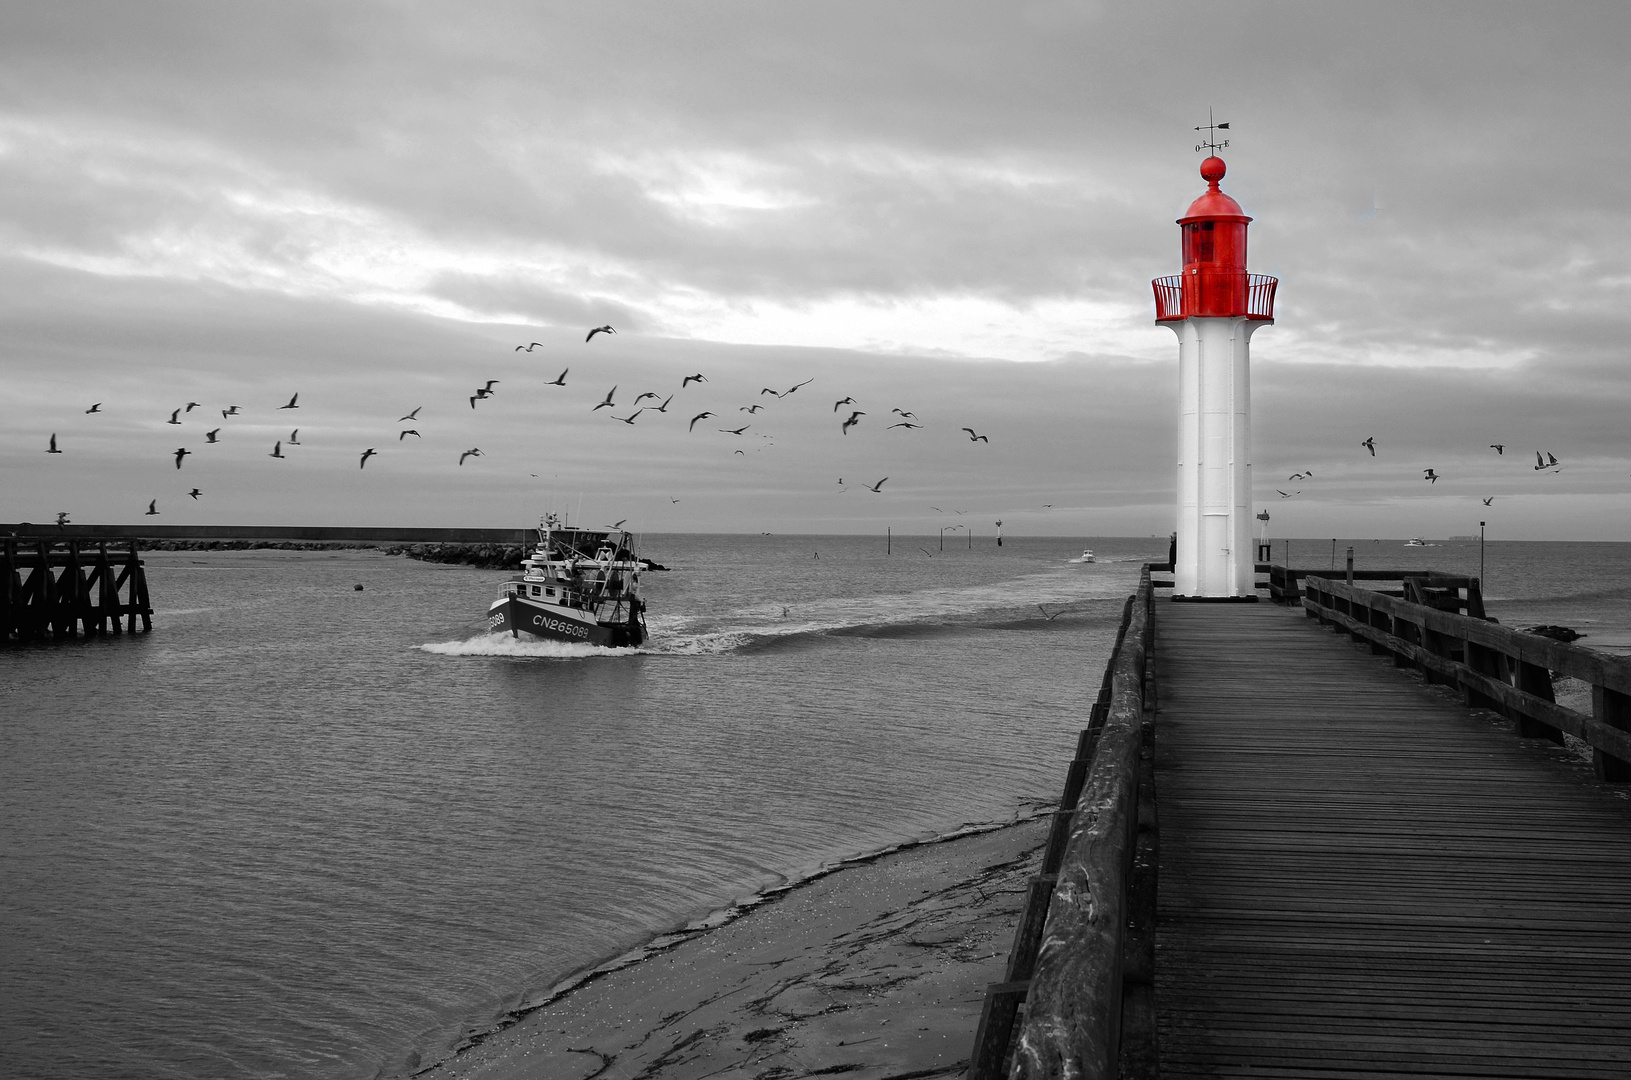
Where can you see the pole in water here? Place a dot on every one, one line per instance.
(1333, 555)
(1480, 555)
(888, 540)
(999, 532)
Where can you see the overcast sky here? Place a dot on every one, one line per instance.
(952, 209)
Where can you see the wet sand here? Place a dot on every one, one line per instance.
(877, 971)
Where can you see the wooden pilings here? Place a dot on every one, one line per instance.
(57, 591)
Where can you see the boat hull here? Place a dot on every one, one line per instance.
(517, 615)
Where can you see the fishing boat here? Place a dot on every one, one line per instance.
(1416, 541)
(579, 585)
(1086, 556)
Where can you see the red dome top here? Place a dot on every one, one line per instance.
(1214, 205)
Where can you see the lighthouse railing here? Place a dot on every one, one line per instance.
(1214, 293)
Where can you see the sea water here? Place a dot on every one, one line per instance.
(302, 830)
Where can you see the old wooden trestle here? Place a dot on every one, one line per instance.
(55, 591)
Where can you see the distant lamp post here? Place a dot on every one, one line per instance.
(999, 532)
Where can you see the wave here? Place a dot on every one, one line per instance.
(531, 647)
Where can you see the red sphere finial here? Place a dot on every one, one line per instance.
(1212, 170)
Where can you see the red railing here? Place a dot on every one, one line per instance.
(1214, 293)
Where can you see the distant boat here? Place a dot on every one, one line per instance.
(1087, 556)
(1416, 541)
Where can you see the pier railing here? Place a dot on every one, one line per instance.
(1079, 990)
(1494, 666)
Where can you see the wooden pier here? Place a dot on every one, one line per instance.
(1358, 854)
(56, 591)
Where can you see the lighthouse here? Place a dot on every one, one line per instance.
(1214, 306)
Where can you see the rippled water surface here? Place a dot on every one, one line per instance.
(306, 831)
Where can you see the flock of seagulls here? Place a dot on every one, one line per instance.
(1544, 462)
(647, 402)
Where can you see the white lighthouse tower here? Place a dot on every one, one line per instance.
(1213, 307)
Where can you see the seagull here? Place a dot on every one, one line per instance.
(854, 418)
(479, 395)
(1299, 476)
(488, 389)
(629, 420)
(1287, 494)
(619, 525)
(210, 436)
(294, 437)
(1499, 448)
(689, 379)
(152, 508)
(750, 409)
(1539, 464)
(600, 330)
(904, 424)
(742, 452)
(1370, 444)
(181, 452)
(735, 431)
(874, 487)
(474, 451)
(411, 416)
(647, 394)
(976, 438)
(53, 449)
(191, 405)
(927, 552)
(528, 348)
(937, 509)
(232, 411)
(277, 451)
(195, 493)
(1430, 476)
(664, 406)
(768, 390)
(795, 386)
(62, 518)
(1489, 500)
(559, 380)
(842, 401)
(672, 501)
(404, 434)
(608, 402)
(174, 417)
(366, 454)
(904, 414)
(698, 416)
(94, 408)
(291, 404)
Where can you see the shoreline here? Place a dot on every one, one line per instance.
(787, 980)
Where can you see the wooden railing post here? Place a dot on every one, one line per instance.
(1537, 680)
(1614, 709)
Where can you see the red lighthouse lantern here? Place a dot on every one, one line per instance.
(1215, 282)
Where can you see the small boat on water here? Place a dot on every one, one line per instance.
(579, 585)
(1086, 557)
(1416, 541)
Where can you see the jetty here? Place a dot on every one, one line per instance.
(1351, 833)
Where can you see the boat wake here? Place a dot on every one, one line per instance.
(530, 647)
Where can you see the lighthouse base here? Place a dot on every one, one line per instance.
(1215, 599)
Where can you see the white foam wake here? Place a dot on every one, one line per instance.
(505, 645)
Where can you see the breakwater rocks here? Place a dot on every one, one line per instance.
(481, 556)
(249, 545)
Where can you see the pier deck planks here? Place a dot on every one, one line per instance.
(1360, 878)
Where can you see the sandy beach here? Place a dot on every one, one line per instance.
(875, 971)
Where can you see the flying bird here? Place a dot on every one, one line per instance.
(607, 403)
(1547, 464)
(647, 394)
(664, 406)
(230, 411)
(742, 452)
(366, 454)
(294, 437)
(976, 438)
(1489, 500)
(490, 384)
(181, 452)
(1499, 448)
(1430, 476)
(94, 408)
(842, 401)
(195, 493)
(600, 330)
(411, 416)
(53, 449)
(750, 409)
(619, 525)
(874, 487)
(291, 404)
(474, 451)
(735, 431)
(175, 417)
(795, 386)
(277, 450)
(191, 405)
(528, 348)
(904, 414)
(1299, 476)
(210, 436)
(689, 379)
(854, 418)
(768, 390)
(698, 416)
(62, 518)
(152, 508)
(1370, 444)
(904, 424)
(1287, 494)
(559, 380)
(630, 418)
(404, 434)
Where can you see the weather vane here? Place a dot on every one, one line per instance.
(1212, 130)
